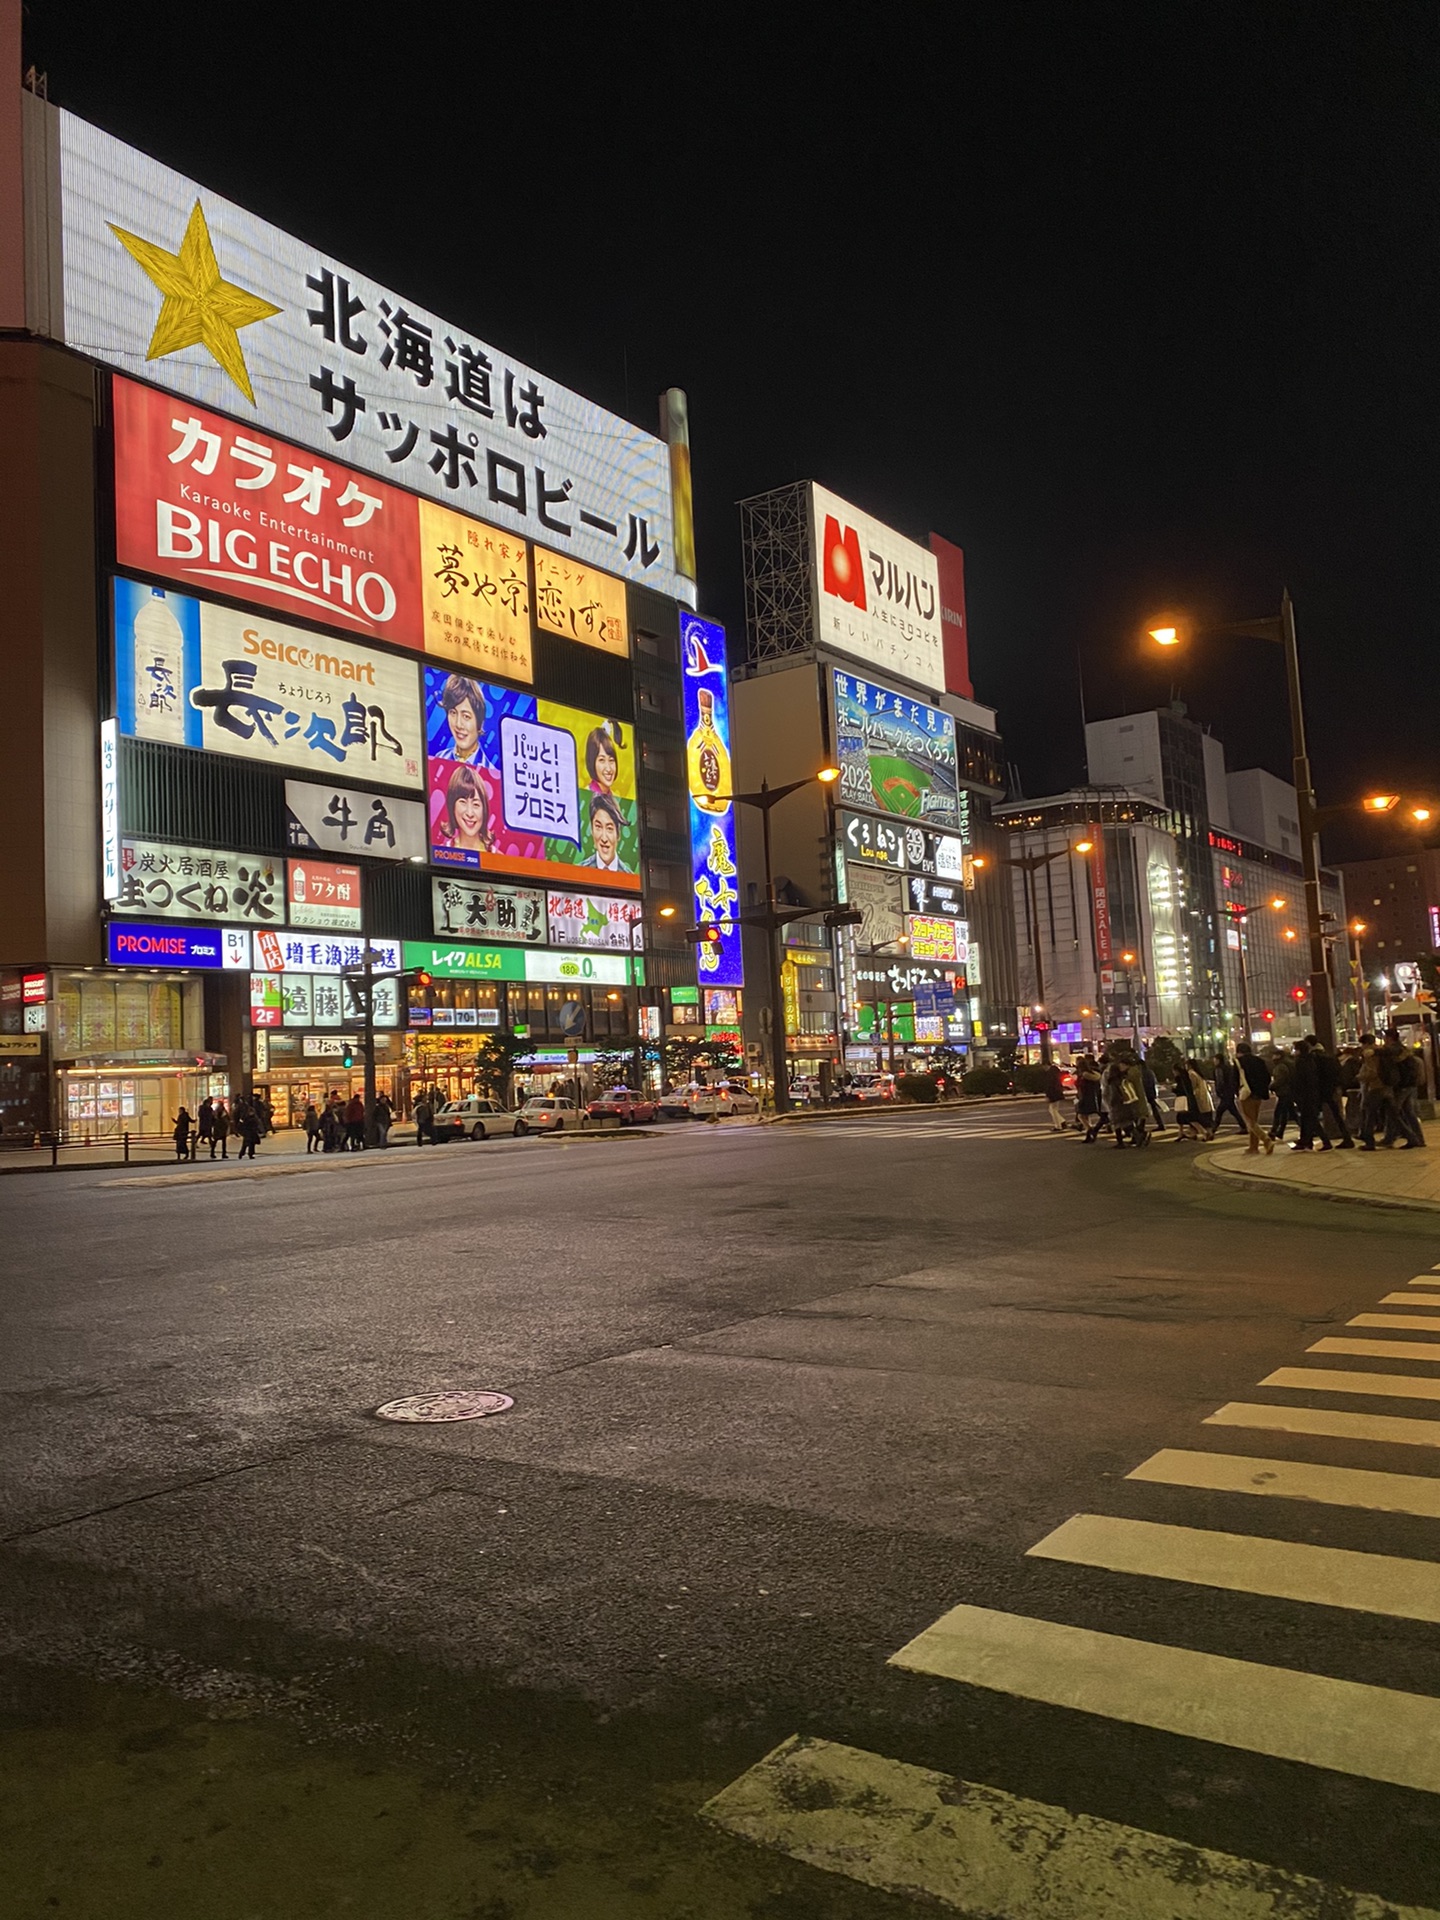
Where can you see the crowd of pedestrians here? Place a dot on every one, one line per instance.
(1367, 1096)
(246, 1121)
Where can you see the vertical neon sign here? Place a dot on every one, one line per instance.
(714, 872)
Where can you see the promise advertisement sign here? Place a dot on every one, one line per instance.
(520, 785)
(896, 754)
(201, 500)
(165, 279)
(205, 676)
(877, 594)
(713, 868)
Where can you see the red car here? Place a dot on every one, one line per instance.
(630, 1109)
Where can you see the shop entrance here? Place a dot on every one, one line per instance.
(102, 1103)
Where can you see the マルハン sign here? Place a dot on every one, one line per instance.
(167, 281)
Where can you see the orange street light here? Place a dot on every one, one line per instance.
(828, 774)
(978, 860)
(1289, 934)
(1359, 926)
(1380, 802)
(1165, 636)
(1278, 902)
(1422, 814)
(1127, 959)
(668, 912)
(1084, 846)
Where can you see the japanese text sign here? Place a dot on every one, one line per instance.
(877, 594)
(895, 753)
(197, 883)
(581, 603)
(713, 866)
(326, 819)
(163, 278)
(594, 920)
(487, 910)
(930, 938)
(323, 895)
(525, 786)
(132, 943)
(289, 952)
(209, 677)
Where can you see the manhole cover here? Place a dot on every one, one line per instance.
(456, 1405)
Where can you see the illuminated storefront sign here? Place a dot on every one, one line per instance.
(525, 786)
(323, 895)
(131, 943)
(34, 989)
(320, 1000)
(580, 602)
(876, 842)
(895, 753)
(935, 896)
(198, 883)
(877, 594)
(458, 962)
(876, 894)
(287, 952)
(328, 819)
(594, 920)
(930, 939)
(712, 811)
(110, 808)
(296, 343)
(200, 675)
(487, 910)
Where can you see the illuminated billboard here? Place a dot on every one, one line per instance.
(526, 786)
(329, 819)
(487, 910)
(208, 503)
(876, 594)
(895, 753)
(158, 275)
(158, 879)
(205, 676)
(712, 811)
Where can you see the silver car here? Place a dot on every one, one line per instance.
(477, 1119)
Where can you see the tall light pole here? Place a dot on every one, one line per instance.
(1028, 864)
(1281, 628)
(1362, 998)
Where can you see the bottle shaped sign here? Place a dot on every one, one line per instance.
(159, 671)
(709, 763)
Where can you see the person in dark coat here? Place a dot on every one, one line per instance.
(222, 1131)
(1055, 1097)
(1254, 1092)
(182, 1134)
(204, 1128)
(1330, 1077)
(251, 1125)
(1227, 1092)
(1305, 1092)
(311, 1124)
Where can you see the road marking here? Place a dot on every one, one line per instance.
(1390, 1429)
(1402, 1386)
(1373, 1732)
(1410, 1299)
(1412, 1322)
(1293, 1480)
(1249, 1563)
(926, 1835)
(1378, 1349)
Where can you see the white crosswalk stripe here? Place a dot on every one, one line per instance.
(1417, 1493)
(1378, 1349)
(1410, 1299)
(1397, 1386)
(1326, 1422)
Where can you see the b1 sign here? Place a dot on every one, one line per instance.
(131, 943)
(877, 594)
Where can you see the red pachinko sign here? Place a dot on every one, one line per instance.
(204, 501)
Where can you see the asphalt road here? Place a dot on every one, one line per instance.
(784, 1398)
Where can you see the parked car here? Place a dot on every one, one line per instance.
(477, 1119)
(873, 1086)
(729, 1096)
(630, 1109)
(548, 1113)
(674, 1103)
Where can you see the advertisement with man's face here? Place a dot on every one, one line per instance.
(520, 785)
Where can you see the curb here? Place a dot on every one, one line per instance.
(1388, 1203)
(877, 1110)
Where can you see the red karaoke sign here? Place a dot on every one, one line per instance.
(203, 501)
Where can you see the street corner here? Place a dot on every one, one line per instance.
(1393, 1179)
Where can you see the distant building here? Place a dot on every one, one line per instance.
(1398, 898)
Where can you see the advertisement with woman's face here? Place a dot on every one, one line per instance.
(522, 785)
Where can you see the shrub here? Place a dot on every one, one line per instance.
(919, 1087)
(1030, 1079)
(986, 1080)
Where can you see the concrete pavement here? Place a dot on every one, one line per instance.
(1407, 1178)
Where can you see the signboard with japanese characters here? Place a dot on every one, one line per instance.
(580, 602)
(109, 808)
(200, 500)
(878, 843)
(458, 961)
(876, 594)
(525, 786)
(594, 920)
(134, 943)
(286, 951)
(197, 883)
(713, 866)
(487, 910)
(896, 754)
(323, 1000)
(926, 896)
(323, 895)
(326, 819)
(930, 938)
(205, 676)
(164, 279)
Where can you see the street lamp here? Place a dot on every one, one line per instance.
(1281, 627)
(1357, 980)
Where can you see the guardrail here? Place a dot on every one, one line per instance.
(52, 1146)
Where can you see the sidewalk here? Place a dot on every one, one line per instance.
(1386, 1178)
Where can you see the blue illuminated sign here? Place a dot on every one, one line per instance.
(712, 812)
(141, 943)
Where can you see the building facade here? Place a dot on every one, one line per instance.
(350, 666)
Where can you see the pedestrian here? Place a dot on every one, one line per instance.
(182, 1134)
(1226, 1083)
(1350, 1086)
(1088, 1085)
(332, 1127)
(222, 1131)
(311, 1124)
(355, 1124)
(384, 1120)
(1202, 1099)
(1404, 1107)
(1152, 1095)
(1122, 1100)
(1185, 1109)
(1254, 1092)
(1282, 1079)
(251, 1125)
(424, 1119)
(204, 1127)
(1055, 1096)
(1328, 1076)
(1305, 1089)
(1375, 1092)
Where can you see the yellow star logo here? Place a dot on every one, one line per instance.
(201, 308)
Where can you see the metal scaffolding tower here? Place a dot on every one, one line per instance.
(777, 548)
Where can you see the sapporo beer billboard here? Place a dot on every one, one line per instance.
(526, 786)
(165, 280)
(205, 676)
(204, 501)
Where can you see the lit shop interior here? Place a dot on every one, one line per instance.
(129, 1052)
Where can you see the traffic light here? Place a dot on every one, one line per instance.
(1268, 1017)
(708, 935)
(1297, 994)
(347, 1058)
(1040, 1026)
(422, 978)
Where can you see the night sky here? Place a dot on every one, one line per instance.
(1139, 306)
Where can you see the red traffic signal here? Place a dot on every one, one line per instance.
(1268, 1017)
(1040, 1026)
(422, 979)
(1297, 993)
(706, 936)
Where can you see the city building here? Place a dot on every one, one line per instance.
(1398, 898)
(1099, 915)
(857, 659)
(351, 668)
